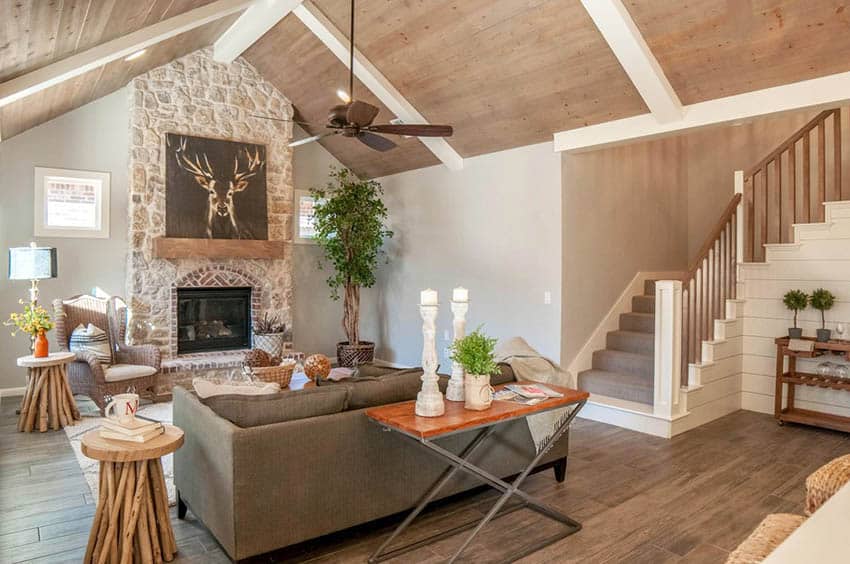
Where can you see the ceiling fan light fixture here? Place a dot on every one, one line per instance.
(343, 95)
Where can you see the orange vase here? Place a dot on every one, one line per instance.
(41, 347)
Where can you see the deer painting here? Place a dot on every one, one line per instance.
(230, 175)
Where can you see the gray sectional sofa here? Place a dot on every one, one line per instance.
(265, 472)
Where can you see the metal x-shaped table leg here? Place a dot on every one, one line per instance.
(461, 462)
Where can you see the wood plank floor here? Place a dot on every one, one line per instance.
(640, 498)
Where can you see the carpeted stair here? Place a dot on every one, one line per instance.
(625, 369)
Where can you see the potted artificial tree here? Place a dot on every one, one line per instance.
(475, 353)
(796, 301)
(822, 300)
(349, 227)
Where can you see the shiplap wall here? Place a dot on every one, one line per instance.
(820, 259)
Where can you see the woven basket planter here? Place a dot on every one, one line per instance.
(281, 374)
(272, 343)
(354, 355)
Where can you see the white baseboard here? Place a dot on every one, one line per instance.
(12, 392)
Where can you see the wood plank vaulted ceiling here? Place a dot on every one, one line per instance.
(504, 73)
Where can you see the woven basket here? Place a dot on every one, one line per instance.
(350, 356)
(272, 343)
(282, 374)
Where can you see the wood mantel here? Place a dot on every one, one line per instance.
(173, 247)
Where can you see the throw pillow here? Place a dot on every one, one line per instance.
(207, 389)
(93, 340)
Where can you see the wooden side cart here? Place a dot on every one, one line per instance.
(792, 378)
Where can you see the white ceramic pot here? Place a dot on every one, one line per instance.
(478, 395)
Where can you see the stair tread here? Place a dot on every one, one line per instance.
(636, 334)
(619, 385)
(627, 354)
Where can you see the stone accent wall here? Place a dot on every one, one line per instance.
(195, 95)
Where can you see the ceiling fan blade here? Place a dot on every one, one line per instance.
(375, 141)
(361, 113)
(412, 129)
(310, 139)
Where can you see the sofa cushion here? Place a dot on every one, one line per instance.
(505, 375)
(393, 387)
(88, 338)
(256, 410)
(119, 372)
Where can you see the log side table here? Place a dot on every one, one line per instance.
(48, 395)
(131, 522)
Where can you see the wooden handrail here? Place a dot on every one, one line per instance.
(713, 236)
(796, 136)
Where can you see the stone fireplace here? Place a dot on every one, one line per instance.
(195, 95)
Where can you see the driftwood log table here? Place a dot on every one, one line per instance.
(131, 522)
(48, 401)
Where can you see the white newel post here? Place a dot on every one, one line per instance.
(668, 347)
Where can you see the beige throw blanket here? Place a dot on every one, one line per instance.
(530, 366)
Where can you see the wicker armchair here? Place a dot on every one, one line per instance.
(86, 375)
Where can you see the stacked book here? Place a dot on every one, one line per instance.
(137, 431)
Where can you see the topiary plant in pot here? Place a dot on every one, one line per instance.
(475, 353)
(349, 218)
(796, 301)
(822, 300)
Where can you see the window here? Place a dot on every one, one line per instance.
(71, 203)
(305, 230)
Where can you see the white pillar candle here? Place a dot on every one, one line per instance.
(460, 294)
(428, 297)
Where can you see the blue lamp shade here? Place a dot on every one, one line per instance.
(32, 263)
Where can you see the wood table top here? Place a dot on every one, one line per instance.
(53, 359)
(402, 416)
(109, 450)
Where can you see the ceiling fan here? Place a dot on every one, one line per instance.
(354, 118)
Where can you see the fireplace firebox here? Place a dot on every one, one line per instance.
(213, 319)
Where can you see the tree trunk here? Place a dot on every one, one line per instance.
(351, 313)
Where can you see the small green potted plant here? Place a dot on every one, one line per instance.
(796, 301)
(475, 354)
(35, 322)
(349, 217)
(822, 300)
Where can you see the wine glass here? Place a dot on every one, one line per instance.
(840, 329)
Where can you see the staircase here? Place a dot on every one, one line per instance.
(625, 368)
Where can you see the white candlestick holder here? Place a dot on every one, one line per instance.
(429, 400)
(455, 392)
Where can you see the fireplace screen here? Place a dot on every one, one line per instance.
(213, 319)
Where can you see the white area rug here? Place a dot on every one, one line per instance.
(92, 420)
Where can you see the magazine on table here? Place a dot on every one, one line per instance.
(534, 391)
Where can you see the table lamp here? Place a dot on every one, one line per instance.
(32, 263)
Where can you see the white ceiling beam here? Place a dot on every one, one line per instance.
(372, 78)
(75, 65)
(815, 93)
(250, 27)
(619, 30)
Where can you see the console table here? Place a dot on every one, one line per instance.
(793, 378)
(424, 431)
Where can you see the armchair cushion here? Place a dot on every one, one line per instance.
(119, 372)
(91, 339)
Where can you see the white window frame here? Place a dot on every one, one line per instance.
(40, 227)
(296, 218)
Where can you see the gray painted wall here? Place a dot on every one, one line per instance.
(493, 227)
(93, 137)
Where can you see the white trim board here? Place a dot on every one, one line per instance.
(372, 78)
(12, 392)
(816, 93)
(625, 40)
(250, 27)
(100, 55)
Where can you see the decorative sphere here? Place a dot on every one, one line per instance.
(317, 366)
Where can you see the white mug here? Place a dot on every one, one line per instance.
(125, 407)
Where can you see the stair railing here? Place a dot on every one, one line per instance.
(791, 183)
(708, 283)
